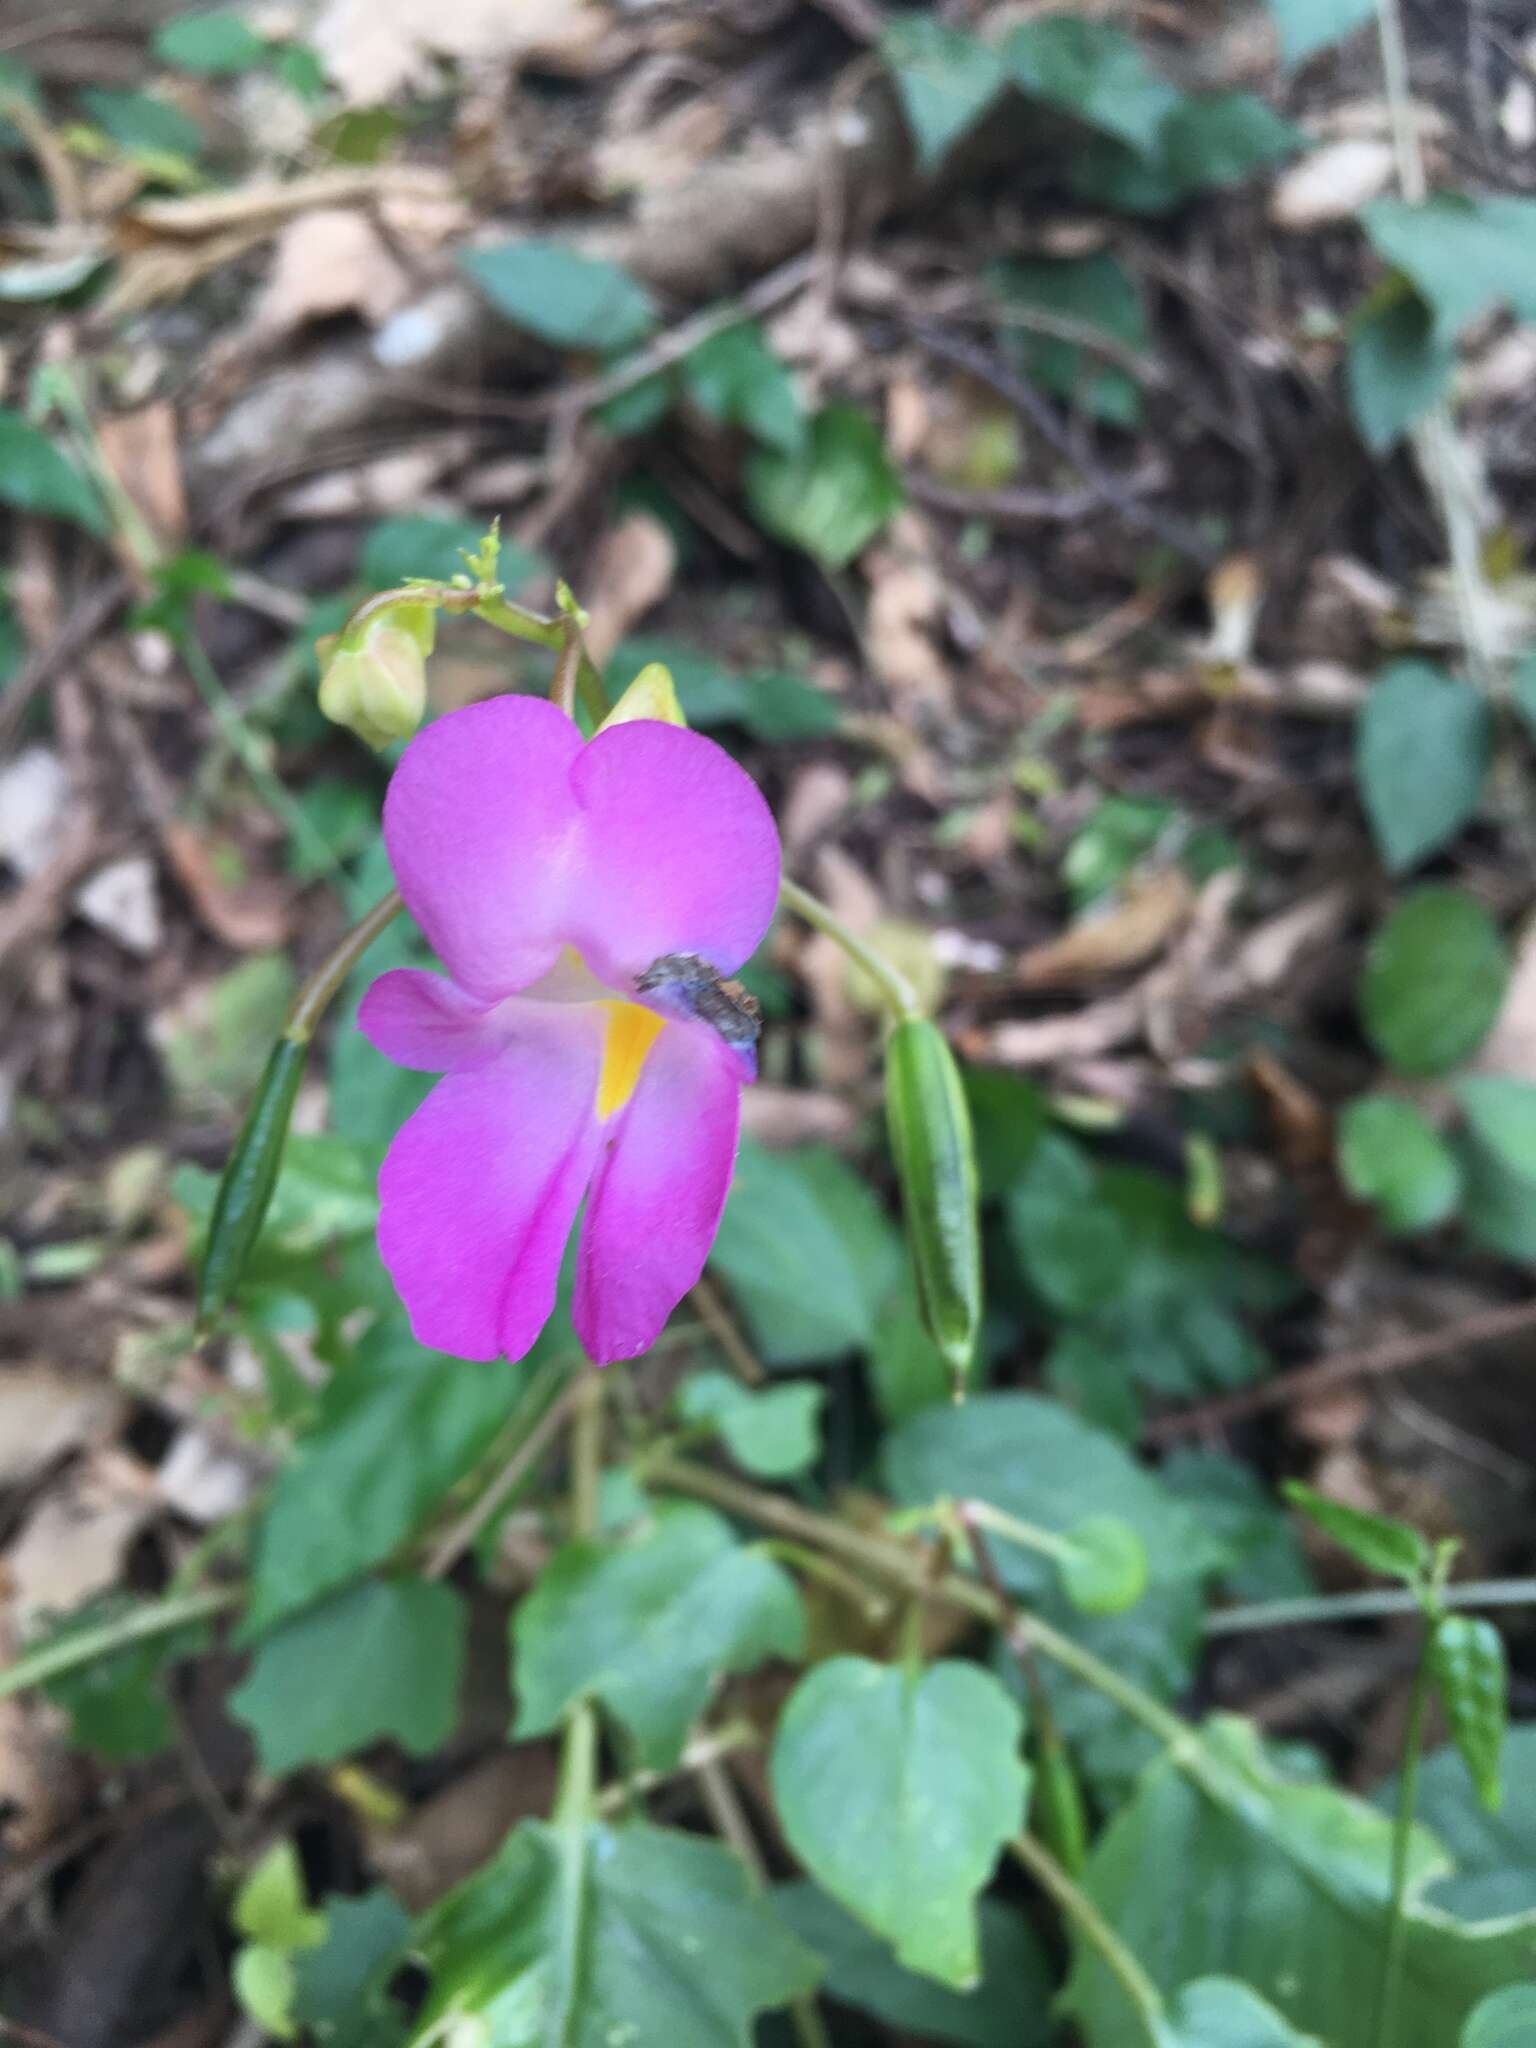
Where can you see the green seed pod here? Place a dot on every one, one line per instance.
(240, 1206)
(930, 1129)
(1467, 1658)
(1056, 1814)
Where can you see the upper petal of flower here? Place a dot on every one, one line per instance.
(484, 836)
(680, 852)
(480, 1188)
(657, 1194)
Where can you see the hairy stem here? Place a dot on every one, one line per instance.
(895, 989)
(52, 1660)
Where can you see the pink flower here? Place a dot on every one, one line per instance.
(583, 897)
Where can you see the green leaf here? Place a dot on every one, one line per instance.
(772, 1431)
(1073, 1246)
(809, 1254)
(665, 1941)
(1468, 1661)
(1435, 975)
(1218, 2012)
(1462, 255)
(946, 78)
(117, 1704)
(565, 298)
(1382, 1545)
(364, 1938)
(832, 496)
(215, 43)
(400, 1643)
(1008, 2009)
(1306, 26)
(1037, 1462)
(1501, 1114)
(1094, 71)
(647, 1625)
(35, 477)
(1106, 1569)
(736, 378)
(1398, 364)
(864, 1759)
(262, 1979)
(1094, 291)
(272, 1906)
(1009, 1116)
(1504, 2019)
(907, 1370)
(1522, 692)
(1263, 1559)
(1390, 1154)
(1494, 1854)
(770, 704)
(141, 123)
(397, 1428)
(1422, 745)
(1218, 139)
(1301, 1873)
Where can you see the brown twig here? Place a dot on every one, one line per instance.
(88, 619)
(1324, 1375)
(1022, 395)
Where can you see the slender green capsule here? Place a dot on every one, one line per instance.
(1056, 1810)
(1467, 1657)
(930, 1129)
(240, 1206)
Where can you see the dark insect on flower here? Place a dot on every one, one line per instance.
(688, 981)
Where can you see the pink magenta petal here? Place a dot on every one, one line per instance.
(657, 1194)
(480, 1188)
(682, 855)
(483, 836)
(421, 1020)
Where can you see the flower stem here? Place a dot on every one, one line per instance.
(586, 1451)
(1076, 1906)
(897, 992)
(1402, 1844)
(314, 998)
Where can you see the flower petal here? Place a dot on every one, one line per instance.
(681, 852)
(657, 1195)
(422, 1020)
(480, 1188)
(482, 831)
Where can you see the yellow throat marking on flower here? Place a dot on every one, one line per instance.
(631, 1033)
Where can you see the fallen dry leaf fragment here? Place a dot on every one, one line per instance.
(122, 899)
(632, 573)
(1332, 183)
(1152, 909)
(141, 448)
(44, 1413)
(375, 49)
(333, 260)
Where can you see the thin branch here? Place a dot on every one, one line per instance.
(1325, 1375)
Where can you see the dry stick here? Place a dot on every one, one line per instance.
(89, 618)
(717, 1319)
(1323, 1375)
(1042, 416)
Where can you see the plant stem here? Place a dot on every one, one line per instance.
(893, 985)
(51, 1660)
(1366, 1606)
(732, 1826)
(1026, 1534)
(530, 1447)
(586, 1450)
(1402, 1845)
(314, 998)
(1076, 1906)
(901, 1567)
